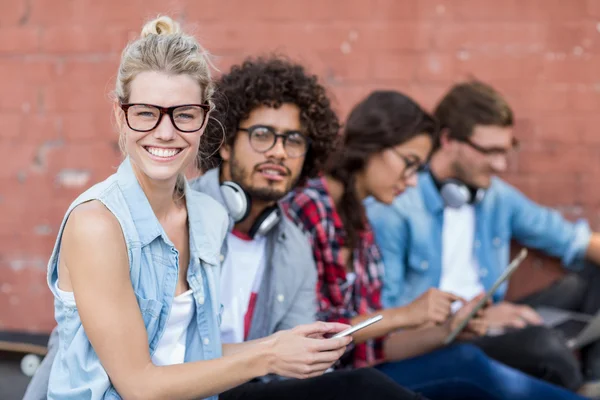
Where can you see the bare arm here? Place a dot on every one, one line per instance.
(393, 319)
(98, 273)
(414, 342)
(433, 306)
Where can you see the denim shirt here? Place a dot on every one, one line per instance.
(409, 234)
(154, 265)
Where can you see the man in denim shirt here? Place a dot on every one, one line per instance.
(453, 231)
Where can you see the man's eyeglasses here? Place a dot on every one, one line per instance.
(411, 165)
(185, 118)
(263, 138)
(491, 151)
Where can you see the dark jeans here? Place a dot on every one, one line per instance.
(464, 372)
(541, 351)
(365, 383)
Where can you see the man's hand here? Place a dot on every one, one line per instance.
(432, 306)
(477, 326)
(510, 315)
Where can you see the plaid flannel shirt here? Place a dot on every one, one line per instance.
(340, 298)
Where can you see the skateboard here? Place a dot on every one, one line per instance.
(33, 347)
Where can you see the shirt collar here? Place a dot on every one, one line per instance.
(141, 212)
(147, 225)
(431, 195)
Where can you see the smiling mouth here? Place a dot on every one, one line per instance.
(160, 152)
(271, 172)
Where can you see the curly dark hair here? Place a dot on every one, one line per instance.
(271, 81)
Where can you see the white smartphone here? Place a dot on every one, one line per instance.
(358, 327)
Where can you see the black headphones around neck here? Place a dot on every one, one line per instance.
(239, 204)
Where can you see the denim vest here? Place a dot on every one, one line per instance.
(153, 263)
(409, 234)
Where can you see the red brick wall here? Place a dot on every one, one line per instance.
(58, 59)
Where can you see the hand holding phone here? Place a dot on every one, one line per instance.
(358, 326)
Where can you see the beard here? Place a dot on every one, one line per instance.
(469, 177)
(267, 194)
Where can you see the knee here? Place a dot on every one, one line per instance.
(543, 342)
(468, 354)
(549, 349)
(358, 379)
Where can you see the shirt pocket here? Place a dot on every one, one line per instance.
(151, 310)
(417, 262)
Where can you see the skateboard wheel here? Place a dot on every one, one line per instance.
(29, 364)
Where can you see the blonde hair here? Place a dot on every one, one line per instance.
(163, 46)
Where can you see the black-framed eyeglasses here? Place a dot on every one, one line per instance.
(263, 138)
(411, 165)
(185, 118)
(491, 151)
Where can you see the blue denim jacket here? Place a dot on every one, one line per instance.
(409, 234)
(153, 261)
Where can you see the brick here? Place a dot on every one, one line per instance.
(21, 309)
(77, 96)
(97, 71)
(131, 14)
(570, 69)
(492, 37)
(497, 68)
(31, 70)
(474, 10)
(13, 13)
(436, 67)
(18, 156)
(252, 37)
(19, 40)
(338, 67)
(536, 98)
(590, 194)
(393, 36)
(279, 10)
(547, 189)
(345, 97)
(542, 160)
(576, 38)
(584, 99)
(589, 129)
(83, 39)
(593, 8)
(86, 125)
(99, 156)
(427, 95)
(515, 10)
(399, 66)
(12, 125)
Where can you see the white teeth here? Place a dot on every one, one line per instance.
(159, 152)
(271, 172)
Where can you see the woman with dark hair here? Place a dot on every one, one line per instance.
(386, 140)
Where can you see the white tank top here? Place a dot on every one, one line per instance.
(171, 346)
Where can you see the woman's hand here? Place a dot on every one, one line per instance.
(304, 352)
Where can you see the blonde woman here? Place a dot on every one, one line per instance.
(135, 268)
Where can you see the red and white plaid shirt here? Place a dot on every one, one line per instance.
(340, 299)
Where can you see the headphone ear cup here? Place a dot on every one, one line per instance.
(236, 199)
(454, 193)
(265, 221)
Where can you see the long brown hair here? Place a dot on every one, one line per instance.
(382, 120)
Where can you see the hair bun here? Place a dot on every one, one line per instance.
(162, 25)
